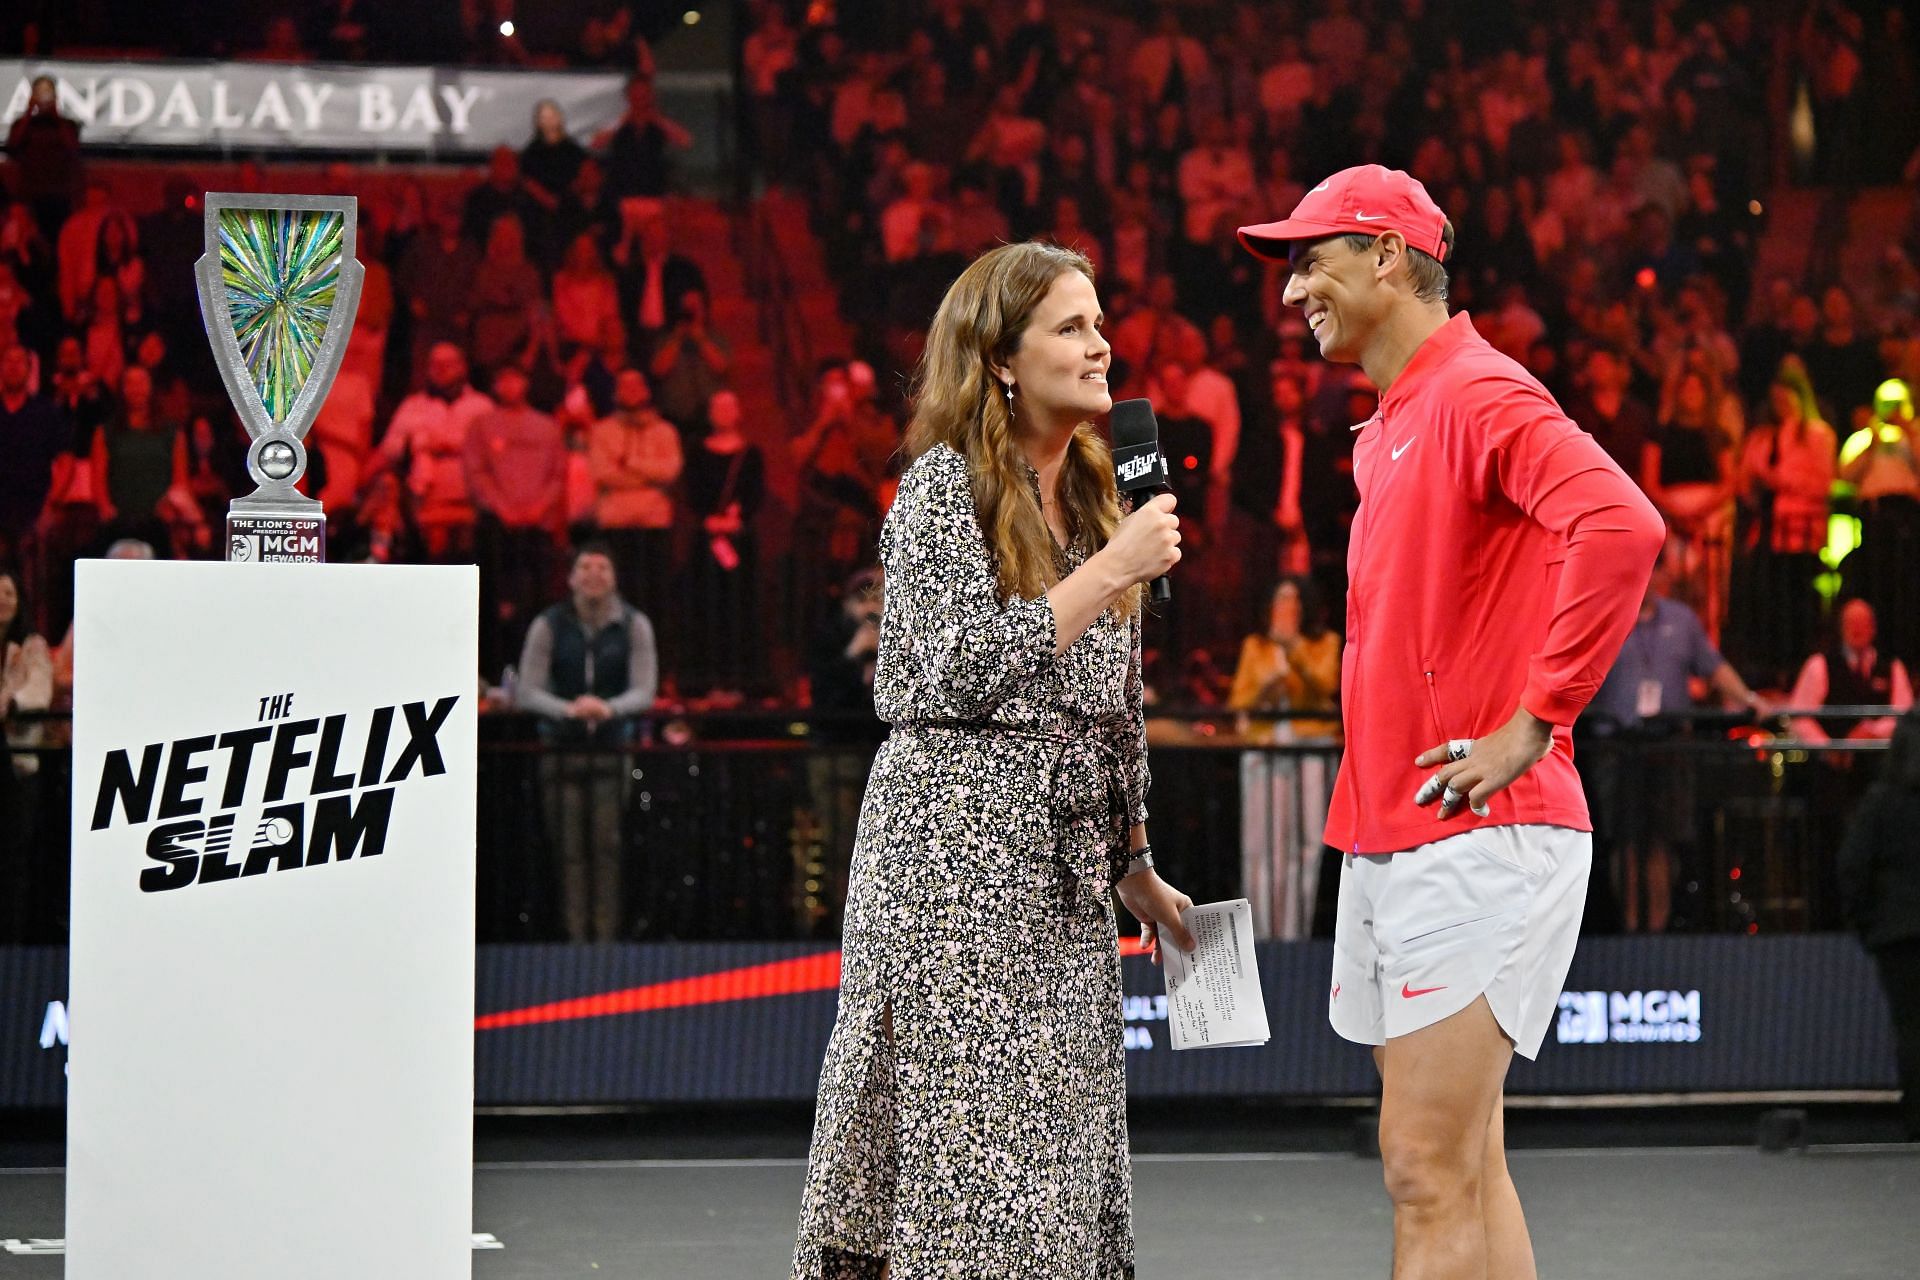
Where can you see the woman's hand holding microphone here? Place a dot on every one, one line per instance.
(1146, 544)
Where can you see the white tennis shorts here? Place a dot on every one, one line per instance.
(1420, 935)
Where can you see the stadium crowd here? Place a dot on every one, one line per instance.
(536, 361)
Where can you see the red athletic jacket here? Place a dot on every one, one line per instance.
(1497, 561)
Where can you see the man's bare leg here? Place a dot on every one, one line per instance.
(1509, 1246)
(1439, 1090)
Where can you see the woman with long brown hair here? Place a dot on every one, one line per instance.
(972, 1109)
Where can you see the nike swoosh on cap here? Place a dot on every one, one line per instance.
(1368, 217)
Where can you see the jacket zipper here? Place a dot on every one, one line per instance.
(1433, 704)
(1352, 681)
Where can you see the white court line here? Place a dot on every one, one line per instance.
(1212, 1157)
(1163, 1157)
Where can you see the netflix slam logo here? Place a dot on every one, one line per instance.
(277, 795)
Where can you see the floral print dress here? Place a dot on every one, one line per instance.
(972, 1110)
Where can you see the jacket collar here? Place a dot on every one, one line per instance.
(1433, 353)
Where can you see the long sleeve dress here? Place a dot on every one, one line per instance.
(972, 1111)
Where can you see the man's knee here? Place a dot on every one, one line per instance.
(1428, 1169)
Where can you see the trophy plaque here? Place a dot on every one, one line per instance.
(279, 285)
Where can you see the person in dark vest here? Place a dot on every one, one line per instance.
(1852, 673)
(588, 667)
(1880, 893)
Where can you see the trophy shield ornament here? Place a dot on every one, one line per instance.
(279, 287)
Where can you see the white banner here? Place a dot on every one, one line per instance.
(272, 966)
(435, 110)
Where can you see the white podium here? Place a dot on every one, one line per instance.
(271, 1070)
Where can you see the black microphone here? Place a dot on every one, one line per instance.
(1139, 467)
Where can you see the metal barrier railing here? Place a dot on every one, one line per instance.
(741, 827)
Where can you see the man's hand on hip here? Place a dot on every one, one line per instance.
(1473, 770)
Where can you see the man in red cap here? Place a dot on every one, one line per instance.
(1497, 561)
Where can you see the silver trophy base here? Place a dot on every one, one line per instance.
(284, 536)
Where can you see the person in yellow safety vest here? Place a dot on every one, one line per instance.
(1880, 463)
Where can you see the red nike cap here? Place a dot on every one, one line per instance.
(1365, 200)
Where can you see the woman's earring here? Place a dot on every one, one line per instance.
(1009, 398)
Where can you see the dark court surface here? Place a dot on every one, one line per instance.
(1841, 1210)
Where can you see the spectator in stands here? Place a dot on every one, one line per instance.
(16, 304)
(769, 57)
(501, 195)
(1157, 332)
(637, 148)
(1787, 470)
(1881, 461)
(1215, 181)
(139, 462)
(122, 549)
(1879, 875)
(435, 276)
(842, 457)
(1267, 476)
(586, 207)
(1667, 649)
(1292, 663)
(169, 238)
(652, 278)
(25, 253)
(380, 529)
(588, 666)
(1843, 363)
(34, 435)
(99, 326)
(917, 223)
(725, 483)
(44, 148)
(77, 249)
(506, 295)
(976, 223)
(1650, 829)
(841, 660)
(1608, 411)
(1853, 673)
(26, 686)
(428, 440)
(1169, 64)
(585, 298)
(637, 458)
(119, 256)
(1070, 230)
(26, 668)
(689, 364)
(1687, 469)
(516, 465)
(549, 163)
(217, 468)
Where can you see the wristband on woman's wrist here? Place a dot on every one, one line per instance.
(1142, 860)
